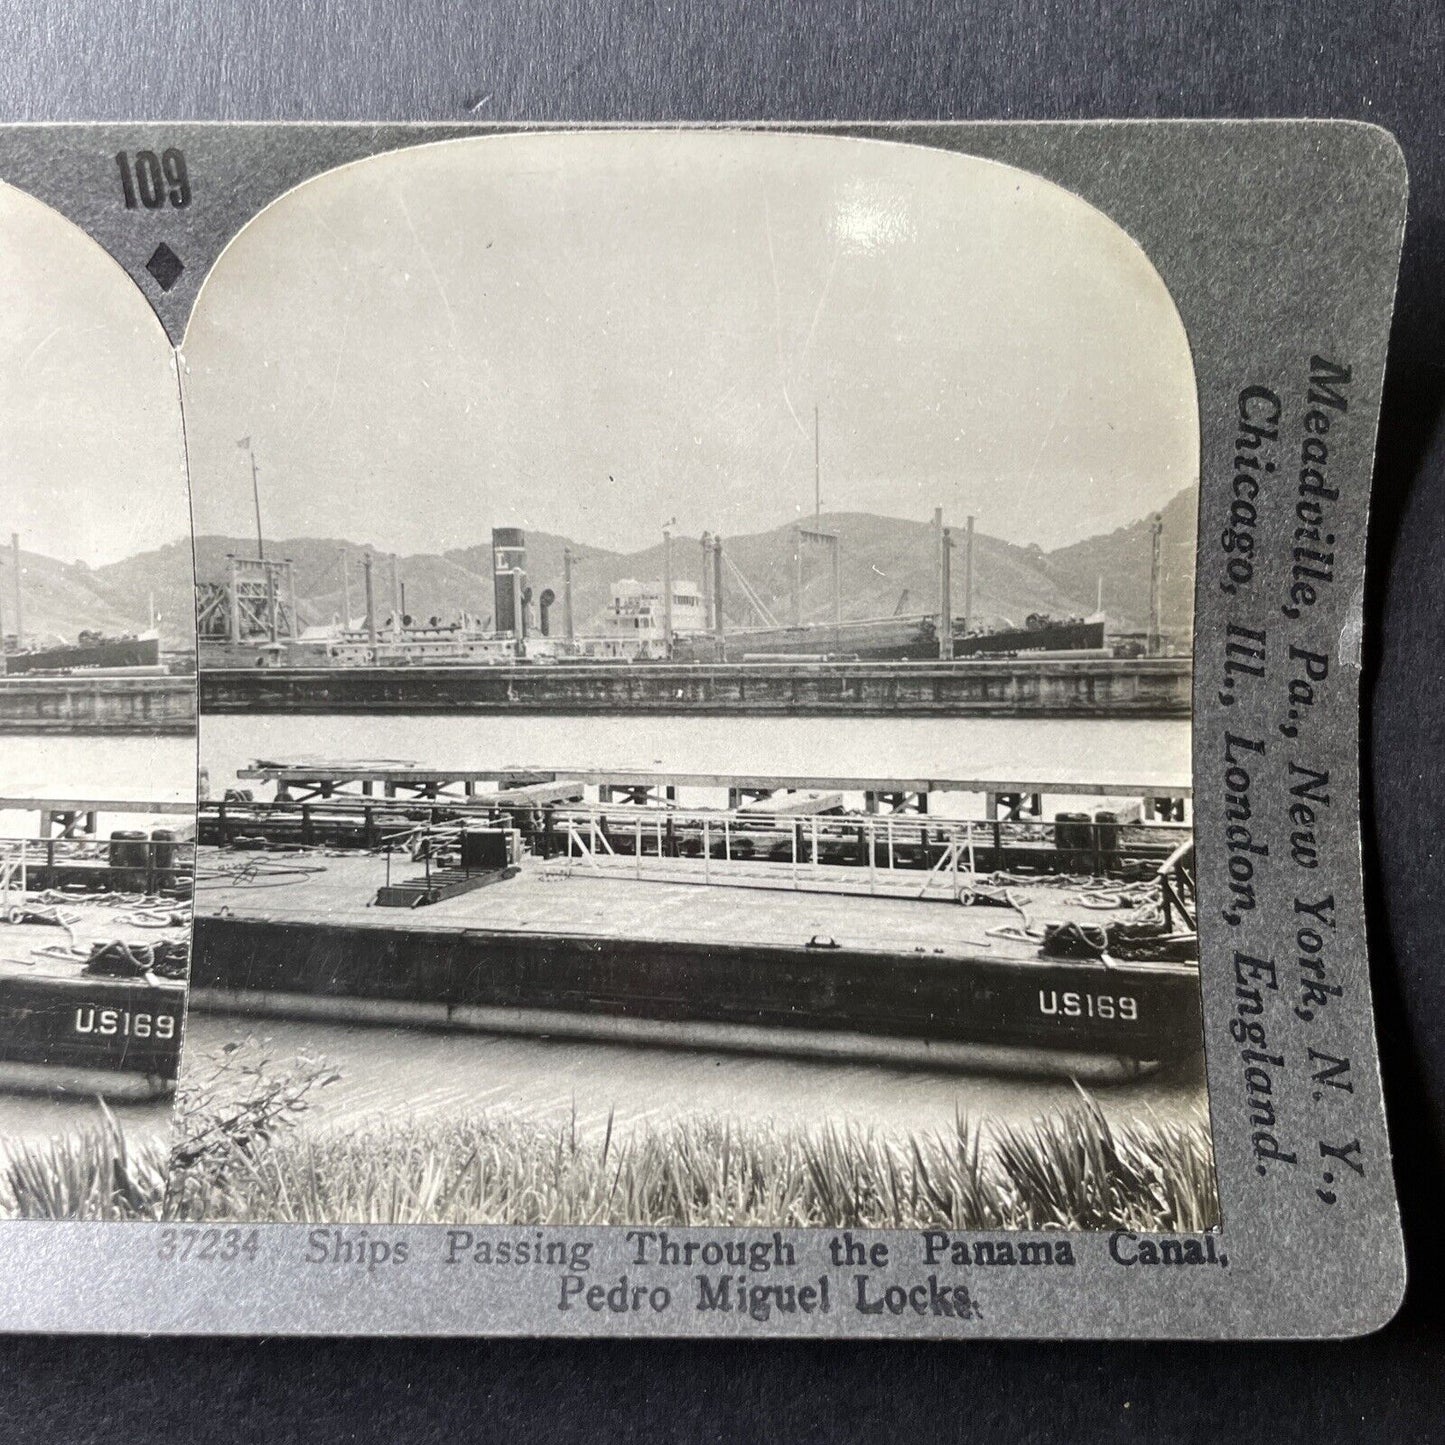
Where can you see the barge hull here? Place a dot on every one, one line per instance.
(68, 1029)
(792, 1043)
(1134, 1011)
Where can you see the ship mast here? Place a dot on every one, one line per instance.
(817, 469)
(567, 623)
(968, 576)
(944, 537)
(667, 587)
(19, 595)
(1156, 532)
(271, 622)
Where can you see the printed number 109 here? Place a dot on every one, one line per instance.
(150, 180)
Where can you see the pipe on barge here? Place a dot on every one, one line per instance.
(1063, 687)
(76, 703)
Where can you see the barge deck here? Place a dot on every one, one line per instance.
(585, 947)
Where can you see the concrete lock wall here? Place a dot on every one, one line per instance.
(1151, 687)
(98, 705)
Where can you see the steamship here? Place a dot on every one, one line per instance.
(91, 652)
(661, 620)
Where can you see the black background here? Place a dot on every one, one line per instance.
(1031, 59)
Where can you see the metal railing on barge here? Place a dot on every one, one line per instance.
(90, 865)
(722, 841)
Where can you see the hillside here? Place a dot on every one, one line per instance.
(61, 599)
(881, 559)
(1121, 558)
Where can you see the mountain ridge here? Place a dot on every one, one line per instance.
(887, 565)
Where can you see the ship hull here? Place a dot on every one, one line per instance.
(904, 639)
(1054, 637)
(118, 652)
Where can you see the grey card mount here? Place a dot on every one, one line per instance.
(743, 730)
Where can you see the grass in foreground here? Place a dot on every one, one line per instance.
(239, 1157)
(89, 1173)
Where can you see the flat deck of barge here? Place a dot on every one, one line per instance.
(566, 897)
(50, 951)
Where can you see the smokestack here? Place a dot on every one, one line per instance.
(395, 597)
(509, 569)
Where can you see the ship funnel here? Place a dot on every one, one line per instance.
(509, 574)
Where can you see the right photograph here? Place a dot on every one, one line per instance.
(695, 643)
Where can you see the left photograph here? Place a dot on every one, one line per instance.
(97, 728)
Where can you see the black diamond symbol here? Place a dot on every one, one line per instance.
(165, 266)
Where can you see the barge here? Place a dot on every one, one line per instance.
(94, 954)
(787, 925)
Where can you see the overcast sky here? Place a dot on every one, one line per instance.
(92, 465)
(594, 334)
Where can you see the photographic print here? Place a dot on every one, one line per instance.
(696, 633)
(97, 728)
(695, 730)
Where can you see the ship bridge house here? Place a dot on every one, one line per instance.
(635, 622)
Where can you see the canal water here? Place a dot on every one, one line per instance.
(1082, 750)
(411, 1074)
(69, 765)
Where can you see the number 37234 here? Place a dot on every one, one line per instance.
(209, 1244)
